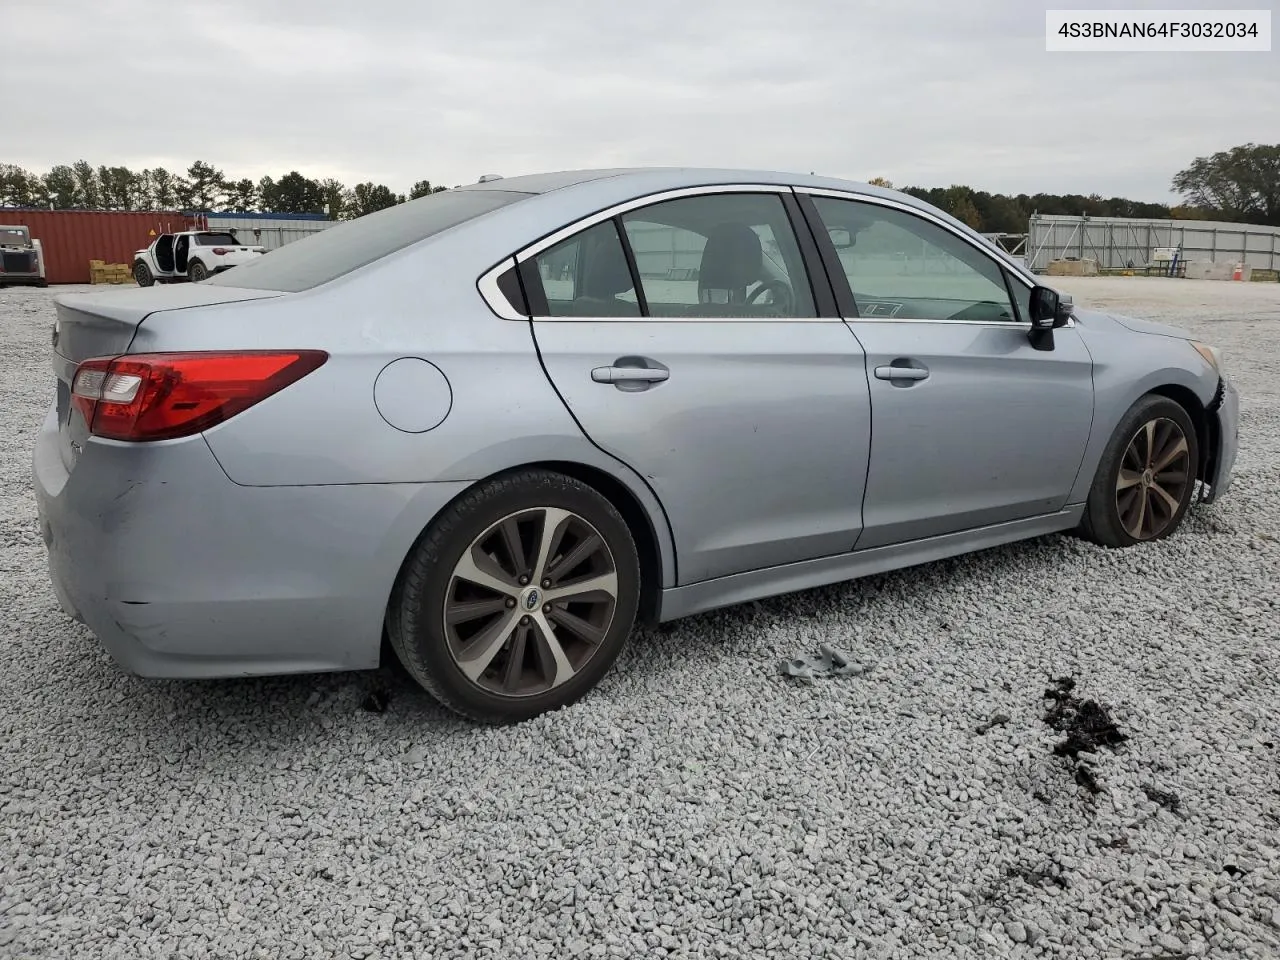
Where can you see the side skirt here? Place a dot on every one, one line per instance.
(755, 584)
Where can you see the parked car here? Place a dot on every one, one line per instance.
(21, 258)
(191, 255)
(503, 422)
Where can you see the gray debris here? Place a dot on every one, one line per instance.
(828, 663)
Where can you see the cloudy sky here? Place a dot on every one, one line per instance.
(924, 92)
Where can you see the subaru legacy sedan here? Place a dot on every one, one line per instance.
(499, 425)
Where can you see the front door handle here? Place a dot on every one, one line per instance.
(893, 372)
(630, 374)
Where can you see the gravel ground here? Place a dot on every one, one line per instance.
(698, 804)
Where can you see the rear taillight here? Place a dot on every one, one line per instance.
(160, 396)
(221, 251)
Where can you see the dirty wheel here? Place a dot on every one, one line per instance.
(1147, 476)
(197, 272)
(142, 274)
(519, 597)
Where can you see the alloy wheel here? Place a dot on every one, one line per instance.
(530, 601)
(1154, 474)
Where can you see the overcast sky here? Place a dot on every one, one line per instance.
(924, 92)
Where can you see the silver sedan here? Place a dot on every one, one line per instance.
(499, 424)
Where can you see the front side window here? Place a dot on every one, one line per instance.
(900, 266)
(719, 255)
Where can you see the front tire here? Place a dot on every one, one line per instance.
(518, 598)
(1146, 478)
(197, 271)
(142, 274)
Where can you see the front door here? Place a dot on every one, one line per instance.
(716, 381)
(971, 425)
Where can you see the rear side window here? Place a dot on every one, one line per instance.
(587, 275)
(215, 240)
(331, 253)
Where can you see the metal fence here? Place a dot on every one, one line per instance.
(1118, 242)
(267, 230)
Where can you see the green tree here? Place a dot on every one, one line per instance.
(88, 189)
(122, 189)
(61, 188)
(242, 195)
(368, 197)
(880, 182)
(1243, 183)
(19, 187)
(206, 186)
(160, 188)
(292, 193)
(335, 197)
(424, 188)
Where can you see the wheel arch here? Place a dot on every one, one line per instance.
(643, 514)
(1186, 398)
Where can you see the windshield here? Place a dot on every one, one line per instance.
(347, 246)
(14, 236)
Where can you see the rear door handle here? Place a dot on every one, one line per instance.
(629, 375)
(890, 372)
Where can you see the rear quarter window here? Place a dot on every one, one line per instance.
(340, 249)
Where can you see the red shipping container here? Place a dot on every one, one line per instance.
(71, 238)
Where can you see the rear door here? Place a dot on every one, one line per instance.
(971, 425)
(684, 336)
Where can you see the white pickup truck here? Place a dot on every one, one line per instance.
(192, 255)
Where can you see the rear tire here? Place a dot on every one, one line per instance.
(518, 598)
(1146, 478)
(197, 271)
(142, 274)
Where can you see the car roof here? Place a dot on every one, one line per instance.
(694, 176)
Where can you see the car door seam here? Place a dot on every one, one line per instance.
(675, 553)
(871, 434)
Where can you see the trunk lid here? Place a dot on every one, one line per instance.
(103, 324)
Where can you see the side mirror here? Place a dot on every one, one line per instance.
(841, 239)
(1049, 310)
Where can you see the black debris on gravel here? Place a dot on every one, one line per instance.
(996, 720)
(1170, 801)
(376, 702)
(1048, 874)
(1087, 724)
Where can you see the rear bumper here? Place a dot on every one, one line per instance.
(1225, 412)
(182, 573)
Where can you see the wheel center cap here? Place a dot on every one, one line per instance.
(1147, 477)
(530, 599)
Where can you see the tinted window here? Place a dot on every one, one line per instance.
(587, 275)
(329, 254)
(902, 266)
(215, 240)
(719, 255)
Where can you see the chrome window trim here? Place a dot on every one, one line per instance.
(492, 294)
(564, 233)
(1019, 273)
(488, 282)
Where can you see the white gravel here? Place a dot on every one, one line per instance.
(698, 804)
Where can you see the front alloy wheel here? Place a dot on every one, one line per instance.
(1146, 476)
(1154, 474)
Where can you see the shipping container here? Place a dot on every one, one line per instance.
(269, 230)
(71, 238)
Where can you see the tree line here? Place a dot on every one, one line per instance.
(203, 187)
(1240, 185)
